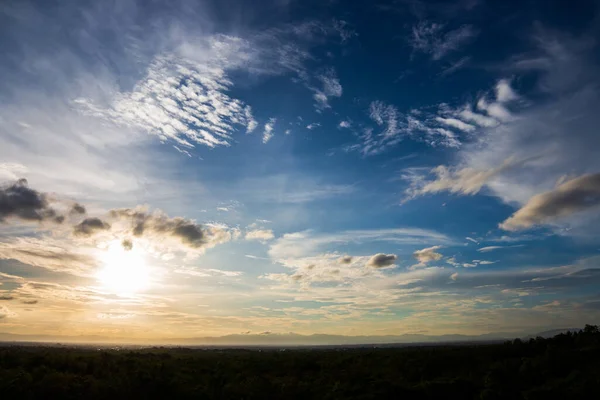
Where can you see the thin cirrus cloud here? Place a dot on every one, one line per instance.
(487, 249)
(433, 39)
(330, 87)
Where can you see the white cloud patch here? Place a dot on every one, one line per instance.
(260, 234)
(345, 124)
(427, 255)
(182, 101)
(456, 123)
(268, 131)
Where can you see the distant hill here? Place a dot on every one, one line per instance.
(285, 339)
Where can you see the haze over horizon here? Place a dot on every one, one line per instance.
(190, 169)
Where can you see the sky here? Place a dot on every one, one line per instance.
(179, 169)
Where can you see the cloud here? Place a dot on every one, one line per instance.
(5, 312)
(343, 28)
(526, 145)
(127, 244)
(388, 118)
(492, 248)
(345, 259)
(260, 234)
(78, 209)
(268, 132)
(331, 87)
(141, 223)
(19, 201)
(456, 123)
(180, 100)
(11, 171)
(30, 302)
(381, 260)
(90, 226)
(443, 128)
(251, 123)
(455, 66)
(463, 181)
(6, 297)
(345, 124)
(504, 92)
(48, 253)
(574, 196)
(427, 255)
(308, 243)
(454, 276)
(430, 38)
(479, 119)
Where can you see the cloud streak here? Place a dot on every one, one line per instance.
(571, 197)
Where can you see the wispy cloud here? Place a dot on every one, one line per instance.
(455, 66)
(492, 248)
(435, 40)
(268, 131)
(330, 87)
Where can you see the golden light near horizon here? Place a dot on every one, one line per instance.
(123, 271)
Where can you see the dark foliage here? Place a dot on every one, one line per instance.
(566, 366)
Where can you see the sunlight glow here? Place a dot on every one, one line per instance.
(124, 271)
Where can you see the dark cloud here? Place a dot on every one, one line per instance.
(345, 259)
(78, 209)
(18, 200)
(573, 196)
(6, 297)
(90, 226)
(381, 260)
(127, 244)
(29, 302)
(188, 232)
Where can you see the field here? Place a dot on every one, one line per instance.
(566, 366)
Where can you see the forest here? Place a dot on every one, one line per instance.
(565, 366)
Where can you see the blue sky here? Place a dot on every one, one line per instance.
(198, 168)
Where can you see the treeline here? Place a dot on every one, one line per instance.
(564, 367)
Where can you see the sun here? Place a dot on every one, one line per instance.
(124, 271)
